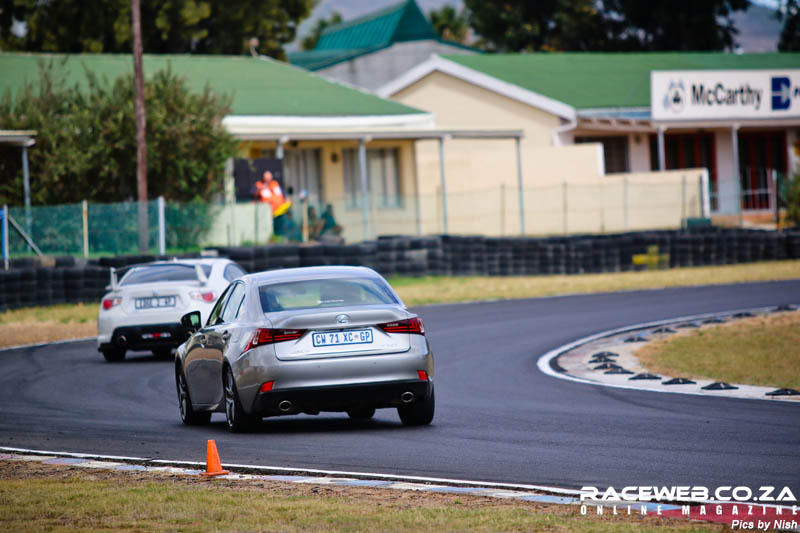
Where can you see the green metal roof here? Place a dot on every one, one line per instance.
(396, 23)
(364, 35)
(257, 86)
(596, 80)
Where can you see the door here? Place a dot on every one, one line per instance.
(202, 377)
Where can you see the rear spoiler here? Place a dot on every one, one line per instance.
(201, 276)
(114, 275)
(114, 281)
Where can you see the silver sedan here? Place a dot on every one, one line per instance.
(305, 340)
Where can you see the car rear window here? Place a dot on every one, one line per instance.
(158, 273)
(321, 293)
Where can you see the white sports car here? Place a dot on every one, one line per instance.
(144, 308)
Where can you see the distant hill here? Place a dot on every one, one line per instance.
(758, 28)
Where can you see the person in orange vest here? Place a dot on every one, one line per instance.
(268, 190)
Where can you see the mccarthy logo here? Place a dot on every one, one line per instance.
(783, 93)
(721, 95)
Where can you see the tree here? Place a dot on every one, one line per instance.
(604, 25)
(86, 143)
(451, 25)
(310, 40)
(174, 26)
(676, 24)
(789, 12)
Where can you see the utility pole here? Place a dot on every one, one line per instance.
(141, 124)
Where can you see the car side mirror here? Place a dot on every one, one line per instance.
(191, 321)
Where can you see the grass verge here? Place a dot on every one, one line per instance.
(37, 497)
(763, 350)
(442, 289)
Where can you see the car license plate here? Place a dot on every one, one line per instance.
(342, 338)
(155, 302)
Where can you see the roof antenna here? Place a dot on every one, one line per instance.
(253, 45)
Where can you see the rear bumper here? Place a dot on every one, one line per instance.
(339, 397)
(146, 337)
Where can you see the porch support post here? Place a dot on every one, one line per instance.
(363, 179)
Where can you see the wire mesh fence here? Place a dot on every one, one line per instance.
(607, 206)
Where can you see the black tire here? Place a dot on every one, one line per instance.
(162, 353)
(419, 413)
(361, 413)
(113, 355)
(238, 420)
(189, 416)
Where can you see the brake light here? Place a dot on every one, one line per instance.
(207, 296)
(271, 336)
(108, 303)
(410, 325)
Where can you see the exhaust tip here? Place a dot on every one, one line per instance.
(285, 405)
(122, 341)
(407, 397)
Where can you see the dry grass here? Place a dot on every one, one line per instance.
(37, 497)
(45, 324)
(421, 291)
(763, 350)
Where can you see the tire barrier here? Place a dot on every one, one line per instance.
(72, 280)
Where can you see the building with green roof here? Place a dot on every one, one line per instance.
(736, 115)
(371, 50)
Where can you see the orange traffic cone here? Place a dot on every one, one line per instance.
(213, 466)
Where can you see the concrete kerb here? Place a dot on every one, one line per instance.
(548, 362)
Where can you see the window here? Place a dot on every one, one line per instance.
(214, 317)
(321, 293)
(383, 177)
(615, 151)
(232, 307)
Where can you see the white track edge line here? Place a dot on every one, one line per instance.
(543, 363)
(387, 477)
(301, 471)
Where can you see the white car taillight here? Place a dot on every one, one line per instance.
(205, 296)
(108, 303)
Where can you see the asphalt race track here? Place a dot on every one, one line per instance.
(498, 418)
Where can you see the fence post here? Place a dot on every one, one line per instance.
(564, 202)
(502, 209)
(26, 185)
(162, 227)
(5, 236)
(705, 193)
(85, 216)
(443, 183)
(520, 189)
(625, 202)
(683, 201)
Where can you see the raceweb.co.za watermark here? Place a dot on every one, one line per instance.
(740, 506)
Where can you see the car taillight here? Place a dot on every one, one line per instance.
(409, 325)
(207, 296)
(271, 336)
(108, 303)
